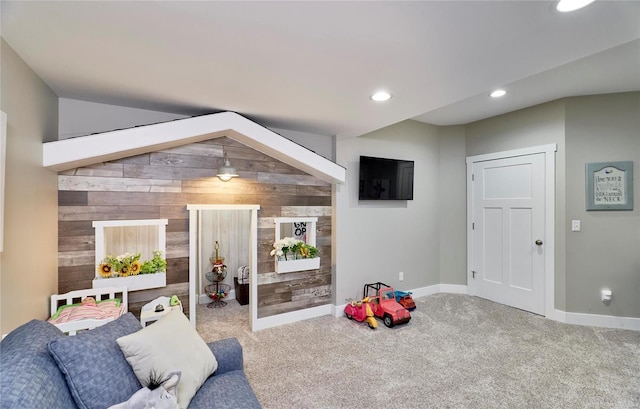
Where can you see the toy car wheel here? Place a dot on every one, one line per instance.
(349, 316)
(387, 320)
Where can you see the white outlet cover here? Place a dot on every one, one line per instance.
(575, 225)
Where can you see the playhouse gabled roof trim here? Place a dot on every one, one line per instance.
(87, 150)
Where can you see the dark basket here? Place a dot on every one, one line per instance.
(217, 291)
(216, 277)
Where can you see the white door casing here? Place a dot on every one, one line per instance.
(194, 217)
(510, 208)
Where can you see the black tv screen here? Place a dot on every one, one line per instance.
(385, 179)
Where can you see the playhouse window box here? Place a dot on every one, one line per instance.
(133, 283)
(302, 264)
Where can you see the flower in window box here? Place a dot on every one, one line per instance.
(308, 251)
(156, 265)
(129, 264)
(124, 271)
(104, 269)
(297, 248)
(135, 268)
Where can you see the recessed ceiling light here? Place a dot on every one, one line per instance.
(565, 6)
(498, 93)
(380, 96)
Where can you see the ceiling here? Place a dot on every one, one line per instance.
(310, 66)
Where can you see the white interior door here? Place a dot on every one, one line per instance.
(507, 209)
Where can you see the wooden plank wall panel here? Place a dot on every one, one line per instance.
(160, 185)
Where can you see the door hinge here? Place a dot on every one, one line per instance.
(473, 177)
(473, 226)
(473, 274)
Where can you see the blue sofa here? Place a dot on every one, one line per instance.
(31, 378)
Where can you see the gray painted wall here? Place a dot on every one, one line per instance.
(28, 263)
(452, 205)
(540, 125)
(323, 145)
(377, 240)
(606, 253)
(79, 118)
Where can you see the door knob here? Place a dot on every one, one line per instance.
(538, 242)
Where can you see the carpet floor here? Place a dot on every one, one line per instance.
(457, 351)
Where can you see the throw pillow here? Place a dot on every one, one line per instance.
(170, 344)
(94, 367)
(161, 394)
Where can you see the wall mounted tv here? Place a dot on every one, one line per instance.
(385, 179)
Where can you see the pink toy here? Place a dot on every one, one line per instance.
(360, 310)
(385, 305)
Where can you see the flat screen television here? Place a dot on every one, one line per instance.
(385, 179)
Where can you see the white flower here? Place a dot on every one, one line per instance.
(284, 245)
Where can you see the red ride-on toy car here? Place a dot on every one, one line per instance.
(385, 306)
(360, 310)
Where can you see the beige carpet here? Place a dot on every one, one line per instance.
(456, 352)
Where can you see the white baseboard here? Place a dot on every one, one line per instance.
(595, 320)
(424, 291)
(291, 317)
(439, 288)
(453, 289)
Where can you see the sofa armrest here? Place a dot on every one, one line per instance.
(228, 353)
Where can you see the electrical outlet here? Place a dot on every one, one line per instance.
(400, 276)
(575, 225)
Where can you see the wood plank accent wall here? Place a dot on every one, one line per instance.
(161, 184)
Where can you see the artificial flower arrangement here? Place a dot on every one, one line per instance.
(297, 248)
(129, 264)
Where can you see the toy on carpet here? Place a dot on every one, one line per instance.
(385, 306)
(360, 310)
(405, 299)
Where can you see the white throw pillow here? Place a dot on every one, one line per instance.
(170, 344)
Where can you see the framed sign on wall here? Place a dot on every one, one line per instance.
(609, 185)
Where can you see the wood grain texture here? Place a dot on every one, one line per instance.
(72, 198)
(161, 184)
(101, 213)
(76, 243)
(112, 184)
(109, 169)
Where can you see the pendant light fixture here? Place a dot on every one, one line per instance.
(226, 172)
